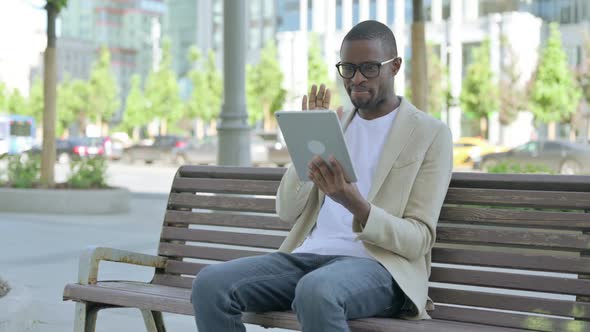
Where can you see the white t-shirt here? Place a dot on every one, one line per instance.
(333, 233)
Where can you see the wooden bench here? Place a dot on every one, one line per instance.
(511, 252)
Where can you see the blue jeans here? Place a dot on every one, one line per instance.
(324, 291)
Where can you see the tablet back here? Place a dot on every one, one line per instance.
(311, 133)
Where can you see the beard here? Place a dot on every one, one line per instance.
(366, 102)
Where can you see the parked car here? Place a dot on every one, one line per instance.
(73, 148)
(467, 150)
(205, 152)
(560, 156)
(160, 150)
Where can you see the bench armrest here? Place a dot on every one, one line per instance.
(88, 266)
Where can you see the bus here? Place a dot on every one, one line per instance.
(17, 134)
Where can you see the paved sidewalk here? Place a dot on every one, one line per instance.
(41, 252)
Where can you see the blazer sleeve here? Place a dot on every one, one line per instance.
(413, 235)
(292, 196)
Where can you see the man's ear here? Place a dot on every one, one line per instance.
(397, 64)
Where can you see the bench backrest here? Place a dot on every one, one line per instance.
(512, 250)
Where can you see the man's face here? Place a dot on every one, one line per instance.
(367, 93)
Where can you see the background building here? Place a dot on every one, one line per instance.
(130, 30)
(454, 28)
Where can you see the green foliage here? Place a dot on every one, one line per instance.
(3, 97)
(103, 98)
(515, 168)
(584, 72)
(87, 173)
(317, 69)
(17, 104)
(36, 100)
(59, 4)
(162, 92)
(512, 96)
(72, 103)
(438, 84)
(23, 172)
(479, 95)
(206, 96)
(135, 114)
(554, 94)
(264, 81)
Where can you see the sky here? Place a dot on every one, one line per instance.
(22, 27)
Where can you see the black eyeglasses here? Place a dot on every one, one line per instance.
(368, 69)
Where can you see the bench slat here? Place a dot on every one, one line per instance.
(229, 203)
(540, 219)
(226, 219)
(253, 187)
(510, 302)
(288, 320)
(233, 238)
(514, 281)
(173, 281)
(494, 237)
(232, 172)
(186, 268)
(546, 263)
(220, 254)
(512, 320)
(542, 182)
(519, 198)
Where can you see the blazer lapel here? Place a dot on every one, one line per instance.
(396, 140)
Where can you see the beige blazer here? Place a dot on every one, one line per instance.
(407, 192)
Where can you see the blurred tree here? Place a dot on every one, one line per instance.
(419, 65)
(36, 100)
(479, 95)
(103, 96)
(17, 104)
(3, 97)
(162, 92)
(52, 7)
(73, 106)
(554, 94)
(206, 95)
(513, 98)
(318, 70)
(264, 82)
(438, 84)
(584, 71)
(135, 115)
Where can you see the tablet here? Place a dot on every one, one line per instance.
(311, 133)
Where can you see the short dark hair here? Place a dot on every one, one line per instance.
(371, 30)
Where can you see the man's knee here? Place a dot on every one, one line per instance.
(314, 293)
(208, 282)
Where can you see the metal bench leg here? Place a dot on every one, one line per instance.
(85, 320)
(154, 322)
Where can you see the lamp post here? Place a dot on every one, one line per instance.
(233, 128)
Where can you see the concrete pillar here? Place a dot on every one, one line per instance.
(346, 15)
(436, 11)
(318, 16)
(471, 10)
(494, 32)
(382, 11)
(303, 43)
(233, 128)
(400, 37)
(455, 65)
(330, 40)
(364, 10)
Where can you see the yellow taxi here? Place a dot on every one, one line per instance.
(467, 150)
